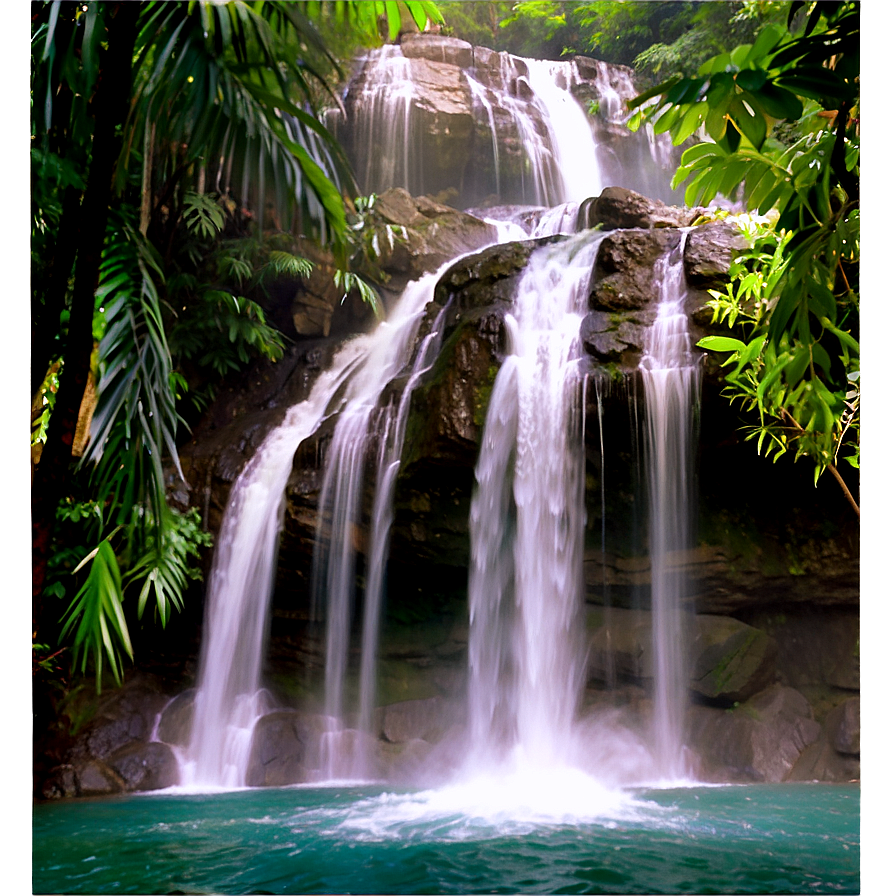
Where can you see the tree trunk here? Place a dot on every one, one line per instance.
(110, 110)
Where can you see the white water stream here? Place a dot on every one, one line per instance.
(527, 522)
(670, 373)
(346, 746)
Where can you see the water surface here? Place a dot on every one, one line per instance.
(752, 839)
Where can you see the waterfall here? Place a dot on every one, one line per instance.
(527, 117)
(228, 699)
(670, 375)
(527, 518)
(527, 522)
(345, 747)
(384, 120)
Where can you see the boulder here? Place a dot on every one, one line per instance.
(835, 755)
(613, 338)
(618, 207)
(759, 740)
(821, 762)
(708, 252)
(418, 235)
(278, 753)
(731, 660)
(842, 727)
(145, 766)
(624, 272)
(95, 778)
(124, 716)
(60, 782)
(411, 720)
(176, 720)
(437, 48)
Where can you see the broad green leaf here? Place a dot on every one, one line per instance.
(778, 102)
(721, 344)
(765, 41)
(750, 79)
(751, 125)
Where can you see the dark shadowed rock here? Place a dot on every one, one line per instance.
(95, 778)
(760, 740)
(613, 338)
(842, 726)
(150, 766)
(731, 660)
(279, 745)
(708, 253)
(124, 715)
(176, 721)
(617, 207)
(60, 782)
(623, 271)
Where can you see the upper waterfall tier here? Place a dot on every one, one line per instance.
(435, 114)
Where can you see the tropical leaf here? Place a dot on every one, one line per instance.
(96, 619)
(135, 421)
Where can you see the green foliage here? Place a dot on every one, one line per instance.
(224, 94)
(160, 563)
(167, 563)
(803, 386)
(223, 331)
(135, 421)
(202, 215)
(96, 617)
(793, 294)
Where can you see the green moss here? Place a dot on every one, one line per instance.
(483, 395)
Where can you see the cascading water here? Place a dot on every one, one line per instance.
(527, 522)
(228, 698)
(670, 374)
(527, 518)
(557, 159)
(345, 748)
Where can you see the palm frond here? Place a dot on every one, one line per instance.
(135, 420)
(97, 619)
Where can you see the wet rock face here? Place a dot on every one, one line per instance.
(278, 753)
(620, 208)
(729, 661)
(424, 235)
(762, 740)
(709, 251)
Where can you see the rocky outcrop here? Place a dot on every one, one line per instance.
(114, 750)
(280, 744)
(418, 235)
(620, 208)
(760, 740)
(773, 582)
(729, 661)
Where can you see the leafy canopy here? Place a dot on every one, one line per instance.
(794, 295)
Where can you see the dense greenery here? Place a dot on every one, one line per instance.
(655, 37)
(169, 142)
(782, 115)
